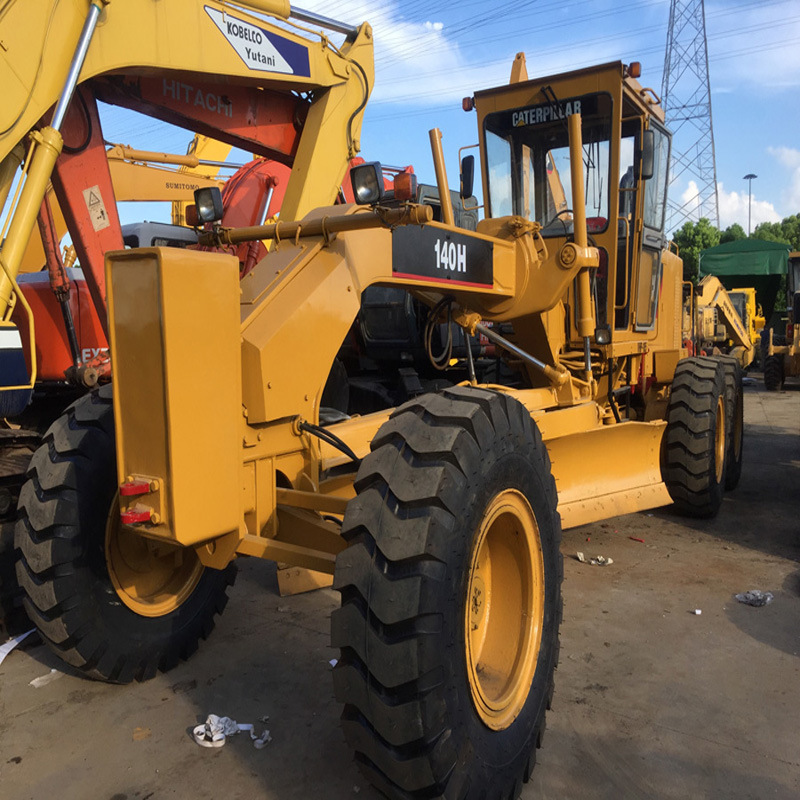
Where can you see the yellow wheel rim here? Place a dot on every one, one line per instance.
(719, 440)
(152, 578)
(505, 609)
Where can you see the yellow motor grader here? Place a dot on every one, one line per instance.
(439, 519)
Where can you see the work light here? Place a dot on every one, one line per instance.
(208, 201)
(367, 181)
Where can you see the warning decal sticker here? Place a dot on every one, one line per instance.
(96, 207)
(260, 49)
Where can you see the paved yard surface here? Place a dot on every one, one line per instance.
(652, 700)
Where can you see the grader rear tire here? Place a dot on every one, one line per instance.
(451, 599)
(696, 440)
(734, 401)
(773, 373)
(103, 599)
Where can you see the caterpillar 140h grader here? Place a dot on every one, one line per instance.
(439, 519)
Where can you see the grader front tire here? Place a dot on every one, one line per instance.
(696, 440)
(451, 599)
(72, 561)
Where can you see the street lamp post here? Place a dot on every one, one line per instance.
(749, 178)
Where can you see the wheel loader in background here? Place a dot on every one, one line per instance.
(440, 519)
(783, 360)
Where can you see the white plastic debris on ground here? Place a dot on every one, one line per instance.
(54, 674)
(8, 646)
(215, 731)
(597, 561)
(755, 597)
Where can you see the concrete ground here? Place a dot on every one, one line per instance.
(652, 700)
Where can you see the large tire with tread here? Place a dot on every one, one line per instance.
(773, 373)
(63, 563)
(734, 400)
(695, 439)
(12, 617)
(446, 675)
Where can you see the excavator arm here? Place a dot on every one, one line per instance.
(716, 319)
(215, 68)
(136, 177)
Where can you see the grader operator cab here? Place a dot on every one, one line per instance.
(440, 519)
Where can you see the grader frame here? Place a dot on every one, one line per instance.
(298, 307)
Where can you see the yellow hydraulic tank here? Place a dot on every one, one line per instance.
(177, 376)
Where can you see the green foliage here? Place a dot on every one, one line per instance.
(786, 232)
(691, 239)
(733, 233)
(770, 232)
(696, 236)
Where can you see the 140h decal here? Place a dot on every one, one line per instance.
(450, 255)
(437, 255)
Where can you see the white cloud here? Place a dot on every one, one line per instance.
(690, 200)
(789, 157)
(733, 207)
(414, 60)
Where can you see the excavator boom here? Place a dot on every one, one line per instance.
(230, 74)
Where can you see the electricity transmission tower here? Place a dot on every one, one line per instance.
(686, 98)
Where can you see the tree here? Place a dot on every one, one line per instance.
(791, 230)
(786, 232)
(770, 232)
(691, 239)
(733, 233)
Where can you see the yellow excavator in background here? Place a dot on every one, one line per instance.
(440, 519)
(209, 154)
(138, 176)
(723, 321)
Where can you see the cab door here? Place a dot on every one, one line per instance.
(655, 164)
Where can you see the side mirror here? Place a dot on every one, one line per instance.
(467, 176)
(367, 182)
(648, 154)
(208, 203)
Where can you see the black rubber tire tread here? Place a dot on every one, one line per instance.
(12, 616)
(60, 544)
(408, 712)
(773, 373)
(688, 454)
(734, 399)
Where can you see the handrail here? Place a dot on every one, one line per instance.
(627, 281)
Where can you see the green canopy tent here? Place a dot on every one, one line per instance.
(748, 262)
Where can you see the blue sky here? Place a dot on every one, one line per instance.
(430, 54)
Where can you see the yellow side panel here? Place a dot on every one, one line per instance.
(174, 325)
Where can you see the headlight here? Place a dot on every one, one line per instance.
(209, 204)
(367, 181)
